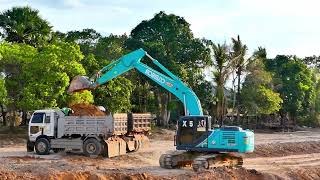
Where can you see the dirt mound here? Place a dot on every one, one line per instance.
(86, 110)
(25, 158)
(285, 149)
(97, 176)
(69, 175)
(304, 173)
(219, 173)
(162, 134)
(230, 174)
(10, 175)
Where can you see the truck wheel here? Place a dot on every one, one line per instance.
(42, 146)
(92, 147)
(30, 146)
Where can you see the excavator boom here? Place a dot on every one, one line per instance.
(133, 61)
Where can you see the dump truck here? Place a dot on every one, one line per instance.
(110, 135)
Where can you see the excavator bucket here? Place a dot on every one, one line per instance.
(115, 147)
(79, 83)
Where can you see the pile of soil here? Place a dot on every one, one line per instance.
(86, 110)
(285, 149)
(70, 175)
(219, 173)
(231, 174)
(98, 176)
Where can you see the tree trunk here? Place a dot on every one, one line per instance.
(3, 113)
(238, 94)
(234, 92)
(219, 104)
(293, 118)
(164, 113)
(283, 116)
(12, 119)
(24, 118)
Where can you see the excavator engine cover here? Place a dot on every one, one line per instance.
(79, 83)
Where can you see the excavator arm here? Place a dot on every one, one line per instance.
(170, 82)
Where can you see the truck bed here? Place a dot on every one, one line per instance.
(116, 124)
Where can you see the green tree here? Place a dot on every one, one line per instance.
(221, 73)
(294, 81)
(86, 39)
(3, 100)
(84, 97)
(316, 115)
(312, 61)
(239, 51)
(169, 39)
(99, 52)
(257, 94)
(48, 75)
(15, 58)
(24, 25)
(115, 95)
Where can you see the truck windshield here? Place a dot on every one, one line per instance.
(37, 118)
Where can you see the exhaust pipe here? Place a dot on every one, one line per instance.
(79, 83)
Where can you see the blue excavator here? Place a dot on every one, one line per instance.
(197, 143)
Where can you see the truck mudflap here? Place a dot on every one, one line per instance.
(115, 147)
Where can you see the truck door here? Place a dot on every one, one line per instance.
(48, 127)
(35, 125)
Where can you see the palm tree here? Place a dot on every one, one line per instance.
(221, 61)
(239, 51)
(24, 25)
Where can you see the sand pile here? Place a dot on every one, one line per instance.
(86, 110)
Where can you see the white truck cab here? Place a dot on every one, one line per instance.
(42, 122)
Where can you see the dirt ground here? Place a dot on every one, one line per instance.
(294, 155)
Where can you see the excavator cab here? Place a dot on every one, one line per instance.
(192, 130)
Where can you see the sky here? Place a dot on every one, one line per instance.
(288, 27)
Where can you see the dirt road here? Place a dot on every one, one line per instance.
(277, 156)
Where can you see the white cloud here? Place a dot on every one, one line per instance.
(123, 10)
(73, 3)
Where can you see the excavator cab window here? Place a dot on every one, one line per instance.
(192, 130)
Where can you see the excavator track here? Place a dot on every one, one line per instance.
(211, 161)
(199, 161)
(176, 159)
(166, 161)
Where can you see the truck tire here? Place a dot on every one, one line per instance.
(92, 147)
(42, 146)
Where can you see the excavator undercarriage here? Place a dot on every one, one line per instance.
(199, 160)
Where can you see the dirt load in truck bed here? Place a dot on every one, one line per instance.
(86, 110)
